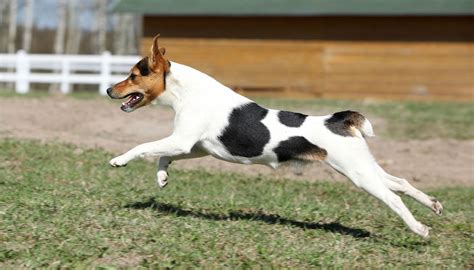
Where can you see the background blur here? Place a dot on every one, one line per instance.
(67, 27)
(402, 50)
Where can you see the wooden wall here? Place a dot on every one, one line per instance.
(399, 70)
(420, 58)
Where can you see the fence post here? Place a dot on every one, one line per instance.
(22, 85)
(65, 63)
(105, 73)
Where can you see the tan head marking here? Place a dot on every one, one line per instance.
(146, 80)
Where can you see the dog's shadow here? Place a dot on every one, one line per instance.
(166, 208)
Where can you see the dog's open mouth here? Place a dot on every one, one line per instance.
(132, 101)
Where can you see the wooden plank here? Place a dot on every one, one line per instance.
(408, 76)
(363, 63)
(412, 89)
(398, 96)
(368, 29)
(394, 48)
(295, 94)
(248, 62)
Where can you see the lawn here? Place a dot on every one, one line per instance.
(61, 206)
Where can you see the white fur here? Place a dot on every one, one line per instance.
(202, 106)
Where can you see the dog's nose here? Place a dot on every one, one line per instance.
(109, 90)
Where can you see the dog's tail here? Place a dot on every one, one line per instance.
(366, 128)
(350, 123)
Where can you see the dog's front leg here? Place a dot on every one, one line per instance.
(170, 146)
(162, 173)
(165, 161)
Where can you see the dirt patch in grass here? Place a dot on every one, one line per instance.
(99, 123)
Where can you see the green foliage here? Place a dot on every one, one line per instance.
(61, 206)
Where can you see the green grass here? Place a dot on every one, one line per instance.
(61, 206)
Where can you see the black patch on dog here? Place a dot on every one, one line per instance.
(296, 147)
(245, 135)
(341, 122)
(143, 67)
(291, 119)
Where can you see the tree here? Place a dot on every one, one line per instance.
(127, 33)
(60, 34)
(12, 26)
(121, 33)
(3, 24)
(28, 26)
(74, 31)
(61, 30)
(100, 27)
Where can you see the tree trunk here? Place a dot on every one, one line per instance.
(28, 26)
(138, 33)
(12, 26)
(3, 25)
(120, 37)
(60, 34)
(60, 31)
(116, 45)
(74, 31)
(102, 26)
(131, 34)
(127, 34)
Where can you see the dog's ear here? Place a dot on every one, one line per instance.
(156, 61)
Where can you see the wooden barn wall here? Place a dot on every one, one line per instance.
(419, 58)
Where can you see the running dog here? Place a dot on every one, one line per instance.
(211, 119)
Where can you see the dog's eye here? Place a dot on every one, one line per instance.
(132, 76)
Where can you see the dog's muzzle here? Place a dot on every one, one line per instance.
(109, 92)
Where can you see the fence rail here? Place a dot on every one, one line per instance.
(102, 70)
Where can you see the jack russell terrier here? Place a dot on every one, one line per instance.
(211, 119)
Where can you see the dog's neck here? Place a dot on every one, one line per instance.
(176, 89)
(181, 80)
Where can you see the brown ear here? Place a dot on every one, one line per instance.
(162, 50)
(155, 54)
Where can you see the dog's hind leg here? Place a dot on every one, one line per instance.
(165, 161)
(402, 185)
(364, 174)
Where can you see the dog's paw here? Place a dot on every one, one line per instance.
(119, 161)
(162, 178)
(437, 207)
(423, 230)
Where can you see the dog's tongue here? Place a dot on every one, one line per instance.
(130, 102)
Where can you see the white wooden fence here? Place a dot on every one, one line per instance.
(102, 70)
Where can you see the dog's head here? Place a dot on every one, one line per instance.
(145, 82)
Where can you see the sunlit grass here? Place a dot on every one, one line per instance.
(61, 206)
